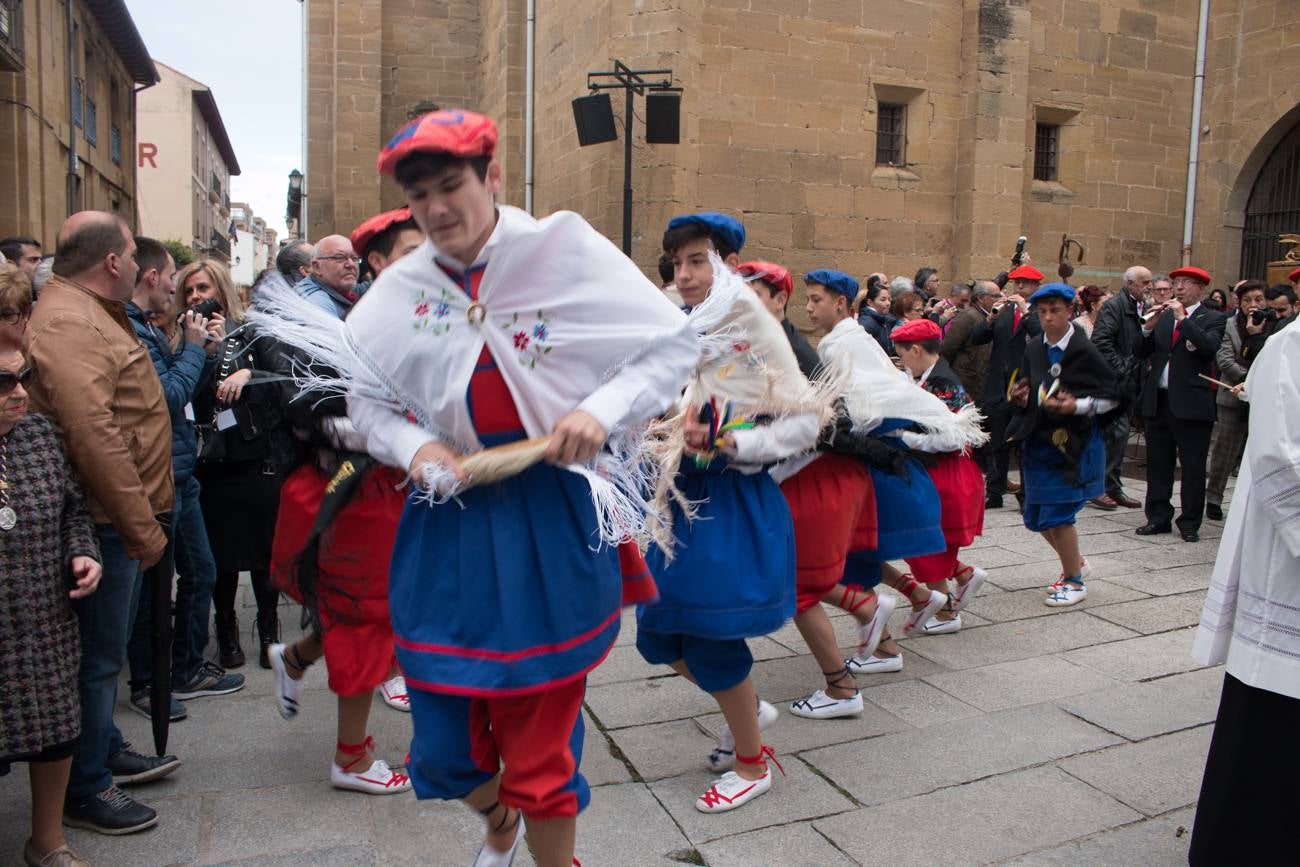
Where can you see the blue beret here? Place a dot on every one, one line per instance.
(836, 281)
(729, 229)
(1064, 291)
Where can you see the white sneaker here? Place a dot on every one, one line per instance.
(935, 626)
(286, 688)
(966, 592)
(732, 791)
(916, 617)
(819, 705)
(1064, 593)
(378, 779)
(393, 692)
(723, 756)
(489, 857)
(870, 633)
(874, 664)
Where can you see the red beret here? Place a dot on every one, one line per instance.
(377, 225)
(1294, 275)
(771, 272)
(451, 131)
(1195, 273)
(916, 331)
(1026, 272)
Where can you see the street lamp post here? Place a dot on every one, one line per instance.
(293, 207)
(633, 83)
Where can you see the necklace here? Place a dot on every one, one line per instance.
(8, 517)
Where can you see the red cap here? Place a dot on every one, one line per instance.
(1026, 272)
(771, 272)
(377, 225)
(916, 331)
(450, 131)
(1294, 275)
(1195, 273)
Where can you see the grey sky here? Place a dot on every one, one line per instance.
(249, 53)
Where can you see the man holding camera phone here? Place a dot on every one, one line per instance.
(1243, 337)
(1181, 338)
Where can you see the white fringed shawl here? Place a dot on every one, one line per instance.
(876, 390)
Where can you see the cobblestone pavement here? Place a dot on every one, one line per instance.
(1035, 736)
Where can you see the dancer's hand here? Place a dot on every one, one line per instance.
(695, 433)
(1020, 393)
(576, 439)
(434, 452)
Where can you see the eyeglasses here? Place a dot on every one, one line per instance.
(10, 380)
(11, 317)
(340, 259)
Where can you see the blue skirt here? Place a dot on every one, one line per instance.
(1044, 471)
(510, 594)
(732, 574)
(908, 513)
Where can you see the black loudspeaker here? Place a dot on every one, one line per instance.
(595, 119)
(663, 118)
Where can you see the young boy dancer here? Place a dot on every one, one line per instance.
(724, 562)
(1065, 391)
(956, 477)
(498, 328)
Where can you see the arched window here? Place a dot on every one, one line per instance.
(1273, 208)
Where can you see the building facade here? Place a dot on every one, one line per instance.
(185, 164)
(253, 245)
(68, 79)
(861, 134)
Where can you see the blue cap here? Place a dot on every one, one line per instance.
(836, 281)
(729, 229)
(1064, 291)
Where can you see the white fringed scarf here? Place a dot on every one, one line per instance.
(876, 390)
(544, 313)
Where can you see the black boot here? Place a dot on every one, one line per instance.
(231, 654)
(268, 633)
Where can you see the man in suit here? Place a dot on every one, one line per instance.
(1180, 338)
(1012, 323)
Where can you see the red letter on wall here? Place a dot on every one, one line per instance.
(148, 151)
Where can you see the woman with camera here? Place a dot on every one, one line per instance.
(244, 452)
(1243, 338)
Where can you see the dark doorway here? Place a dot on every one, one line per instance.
(1273, 208)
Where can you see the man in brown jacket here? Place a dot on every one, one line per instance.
(97, 382)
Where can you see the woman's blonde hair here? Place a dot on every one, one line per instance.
(15, 288)
(231, 306)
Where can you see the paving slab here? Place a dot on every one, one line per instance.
(626, 825)
(1142, 658)
(1001, 818)
(918, 703)
(791, 734)
(285, 819)
(648, 701)
(1022, 604)
(1037, 571)
(1022, 682)
(1154, 776)
(1141, 710)
(1020, 639)
(1102, 543)
(599, 764)
(798, 795)
(923, 760)
(664, 749)
(1160, 581)
(797, 845)
(1160, 614)
(335, 856)
(407, 831)
(1159, 842)
(175, 839)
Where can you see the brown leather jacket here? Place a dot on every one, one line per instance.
(969, 361)
(94, 378)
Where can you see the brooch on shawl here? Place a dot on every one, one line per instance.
(532, 343)
(432, 315)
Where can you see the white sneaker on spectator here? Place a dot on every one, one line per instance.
(393, 692)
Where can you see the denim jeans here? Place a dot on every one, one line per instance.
(1116, 436)
(104, 619)
(196, 574)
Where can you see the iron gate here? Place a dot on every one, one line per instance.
(1273, 208)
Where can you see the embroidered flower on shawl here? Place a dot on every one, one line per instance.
(531, 342)
(431, 316)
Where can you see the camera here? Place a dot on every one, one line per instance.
(203, 309)
(1262, 315)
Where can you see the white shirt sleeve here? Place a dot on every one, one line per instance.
(783, 438)
(646, 386)
(1094, 405)
(391, 438)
